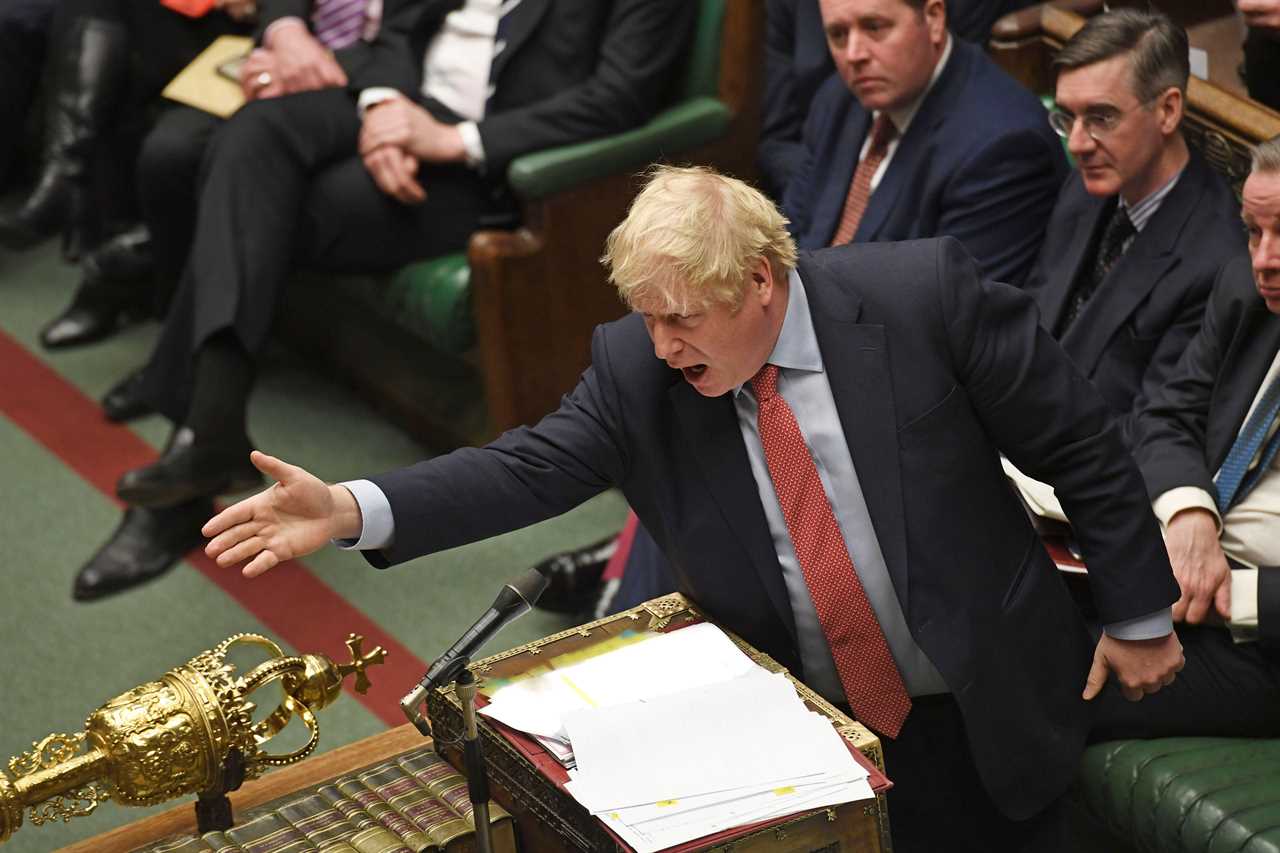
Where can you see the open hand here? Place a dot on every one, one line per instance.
(1140, 667)
(1199, 566)
(297, 515)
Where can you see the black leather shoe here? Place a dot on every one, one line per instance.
(124, 401)
(146, 544)
(115, 291)
(574, 577)
(189, 468)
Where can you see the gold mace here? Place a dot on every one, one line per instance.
(172, 737)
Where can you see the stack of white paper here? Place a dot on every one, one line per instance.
(661, 664)
(681, 735)
(678, 767)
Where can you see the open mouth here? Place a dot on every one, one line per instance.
(692, 372)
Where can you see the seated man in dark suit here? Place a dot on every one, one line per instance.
(797, 62)
(921, 135)
(1140, 231)
(402, 163)
(813, 441)
(1207, 447)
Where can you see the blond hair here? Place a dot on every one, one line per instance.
(690, 240)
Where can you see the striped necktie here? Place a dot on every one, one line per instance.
(338, 23)
(1235, 479)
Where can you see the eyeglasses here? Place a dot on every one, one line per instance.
(1098, 122)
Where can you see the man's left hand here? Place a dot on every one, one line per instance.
(1139, 666)
(401, 123)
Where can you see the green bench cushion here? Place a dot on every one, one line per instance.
(1187, 795)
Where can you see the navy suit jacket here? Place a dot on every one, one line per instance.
(1138, 323)
(979, 163)
(933, 373)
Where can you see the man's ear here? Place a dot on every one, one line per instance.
(762, 280)
(935, 18)
(1170, 106)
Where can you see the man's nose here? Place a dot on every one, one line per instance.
(855, 49)
(1266, 255)
(665, 342)
(1079, 141)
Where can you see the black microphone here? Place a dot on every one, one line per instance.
(513, 601)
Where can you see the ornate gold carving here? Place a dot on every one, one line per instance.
(171, 737)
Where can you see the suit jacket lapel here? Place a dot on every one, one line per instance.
(1244, 368)
(912, 147)
(830, 204)
(856, 358)
(519, 25)
(1052, 298)
(711, 425)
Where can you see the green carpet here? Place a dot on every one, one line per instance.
(62, 659)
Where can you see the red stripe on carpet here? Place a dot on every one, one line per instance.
(292, 603)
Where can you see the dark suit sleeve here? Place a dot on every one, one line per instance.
(1051, 423)
(1269, 609)
(803, 188)
(387, 60)
(525, 476)
(270, 11)
(643, 43)
(1169, 431)
(998, 202)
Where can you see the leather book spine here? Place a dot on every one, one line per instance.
(329, 830)
(184, 844)
(446, 784)
(380, 810)
(270, 833)
(370, 834)
(416, 803)
(220, 843)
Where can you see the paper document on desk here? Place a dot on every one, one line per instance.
(708, 759)
(658, 665)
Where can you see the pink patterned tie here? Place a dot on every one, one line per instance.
(337, 23)
(855, 203)
(870, 678)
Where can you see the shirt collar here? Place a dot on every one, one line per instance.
(903, 117)
(797, 344)
(1140, 214)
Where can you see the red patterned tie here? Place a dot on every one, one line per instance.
(871, 680)
(855, 203)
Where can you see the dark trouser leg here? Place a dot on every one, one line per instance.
(280, 187)
(24, 32)
(1225, 690)
(938, 802)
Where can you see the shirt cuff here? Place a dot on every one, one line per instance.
(1148, 627)
(375, 95)
(1244, 597)
(378, 525)
(1174, 501)
(471, 143)
(292, 20)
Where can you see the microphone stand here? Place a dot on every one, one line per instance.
(477, 780)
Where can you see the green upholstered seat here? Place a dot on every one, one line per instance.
(432, 298)
(1186, 795)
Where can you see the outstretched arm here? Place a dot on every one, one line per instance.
(297, 515)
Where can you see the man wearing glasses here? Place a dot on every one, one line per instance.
(1140, 232)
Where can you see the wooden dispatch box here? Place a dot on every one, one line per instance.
(527, 781)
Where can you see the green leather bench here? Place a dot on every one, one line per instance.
(461, 347)
(1185, 795)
